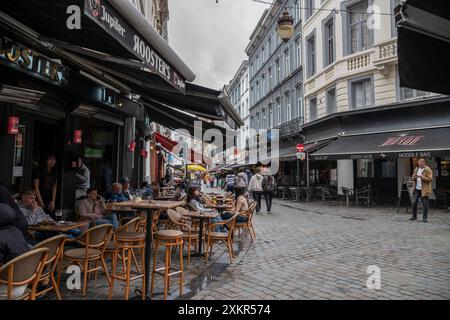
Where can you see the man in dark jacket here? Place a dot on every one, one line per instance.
(12, 241)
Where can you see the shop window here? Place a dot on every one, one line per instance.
(365, 168)
(444, 167)
(388, 169)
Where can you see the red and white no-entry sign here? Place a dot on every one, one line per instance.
(300, 147)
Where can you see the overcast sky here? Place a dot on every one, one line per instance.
(211, 38)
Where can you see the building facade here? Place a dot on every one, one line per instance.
(276, 82)
(156, 12)
(351, 76)
(238, 91)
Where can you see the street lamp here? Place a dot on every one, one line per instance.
(285, 28)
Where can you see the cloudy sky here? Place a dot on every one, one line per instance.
(211, 38)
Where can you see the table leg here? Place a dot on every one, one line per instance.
(148, 250)
(200, 237)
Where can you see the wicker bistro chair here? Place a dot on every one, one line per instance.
(224, 237)
(125, 242)
(247, 226)
(348, 194)
(329, 195)
(21, 272)
(364, 195)
(189, 236)
(130, 226)
(56, 249)
(94, 242)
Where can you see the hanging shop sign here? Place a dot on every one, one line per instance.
(32, 61)
(103, 14)
(13, 125)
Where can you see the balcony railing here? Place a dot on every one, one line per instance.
(358, 62)
(291, 127)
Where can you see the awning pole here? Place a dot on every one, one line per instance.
(307, 176)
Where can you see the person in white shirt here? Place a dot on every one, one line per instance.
(256, 188)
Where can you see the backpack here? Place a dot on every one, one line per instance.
(241, 181)
(268, 186)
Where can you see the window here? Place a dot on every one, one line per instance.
(299, 102)
(257, 63)
(258, 121)
(388, 168)
(242, 110)
(287, 99)
(263, 120)
(394, 4)
(257, 91)
(407, 93)
(361, 94)
(331, 101)
(252, 72)
(311, 47)
(287, 60)
(298, 53)
(365, 168)
(279, 111)
(278, 71)
(359, 32)
(263, 86)
(263, 55)
(269, 47)
(312, 109)
(309, 10)
(329, 52)
(246, 107)
(270, 116)
(297, 12)
(269, 74)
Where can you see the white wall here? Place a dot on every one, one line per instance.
(345, 174)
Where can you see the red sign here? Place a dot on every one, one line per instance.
(132, 146)
(144, 153)
(77, 136)
(300, 147)
(13, 125)
(403, 140)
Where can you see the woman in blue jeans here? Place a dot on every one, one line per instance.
(241, 206)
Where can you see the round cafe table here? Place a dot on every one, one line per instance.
(202, 217)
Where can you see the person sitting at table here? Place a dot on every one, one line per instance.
(93, 206)
(179, 194)
(126, 189)
(19, 220)
(35, 215)
(116, 195)
(148, 191)
(195, 202)
(241, 206)
(156, 189)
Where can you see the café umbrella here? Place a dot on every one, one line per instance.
(196, 167)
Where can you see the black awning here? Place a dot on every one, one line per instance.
(96, 25)
(406, 144)
(198, 100)
(426, 66)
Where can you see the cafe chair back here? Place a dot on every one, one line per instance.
(93, 242)
(55, 245)
(221, 237)
(178, 222)
(20, 273)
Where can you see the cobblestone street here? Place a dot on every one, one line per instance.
(311, 251)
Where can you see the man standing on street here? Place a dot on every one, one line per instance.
(230, 182)
(256, 188)
(423, 176)
(83, 179)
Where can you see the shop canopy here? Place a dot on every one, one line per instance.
(406, 144)
(169, 145)
(424, 44)
(114, 27)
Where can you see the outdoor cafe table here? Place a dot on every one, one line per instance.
(170, 197)
(57, 227)
(150, 207)
(218, 207)
(202, 217)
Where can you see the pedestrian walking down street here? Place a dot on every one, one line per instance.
(268, 189)
(242, 181)
(423, 176)
(230, 182)
(256, 188)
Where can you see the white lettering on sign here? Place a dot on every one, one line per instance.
(113, 22)
(151, 57)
